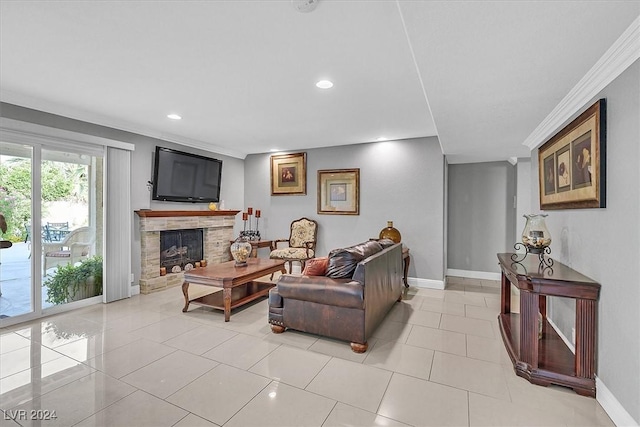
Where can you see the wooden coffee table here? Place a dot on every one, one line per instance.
(237, 283)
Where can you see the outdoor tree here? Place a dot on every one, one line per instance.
(58, 183)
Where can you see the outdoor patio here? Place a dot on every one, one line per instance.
(15, 281)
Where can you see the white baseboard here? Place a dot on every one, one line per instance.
(135, 290)
(487, 275)
(612, 407)
(425, 283)
(605, 398)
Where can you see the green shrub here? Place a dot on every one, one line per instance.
(69, 280)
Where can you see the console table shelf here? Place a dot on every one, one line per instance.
(548, 360)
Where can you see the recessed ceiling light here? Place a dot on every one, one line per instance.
(382, 138)
(273, 150)
(324, 84)
(174, 117)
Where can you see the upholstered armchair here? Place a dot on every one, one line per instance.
(75, 247)
(301, 244)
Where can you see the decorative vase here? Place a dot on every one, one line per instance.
(390, 233)
(240, 251)
(536, 236)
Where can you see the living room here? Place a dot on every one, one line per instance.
(452, 215)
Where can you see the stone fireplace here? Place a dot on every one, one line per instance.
(215, 227)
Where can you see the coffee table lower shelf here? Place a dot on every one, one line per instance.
(240, 295)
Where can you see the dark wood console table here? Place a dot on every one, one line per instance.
(548, 360)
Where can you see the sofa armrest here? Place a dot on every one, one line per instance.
(322, 290)
(275, 300)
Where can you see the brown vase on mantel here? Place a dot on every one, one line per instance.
(390, 233)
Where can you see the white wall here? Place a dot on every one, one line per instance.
(400, 181)
(604, 244)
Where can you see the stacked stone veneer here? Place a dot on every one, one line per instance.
(218, 232)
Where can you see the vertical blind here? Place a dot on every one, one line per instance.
(117, 260)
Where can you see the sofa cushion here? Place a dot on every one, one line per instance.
(343, 262)
(316, 266)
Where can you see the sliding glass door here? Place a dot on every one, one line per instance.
(16, 284)
(52, 201)
(71, 225)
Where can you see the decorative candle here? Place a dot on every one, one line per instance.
(197, 264)
(257, 213)
(244, 216)
(163, 271)
(203, 262)
(250, 211)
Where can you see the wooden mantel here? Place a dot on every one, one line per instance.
(148, 213)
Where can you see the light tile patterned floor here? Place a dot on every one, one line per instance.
(437, 360)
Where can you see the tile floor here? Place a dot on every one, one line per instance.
(437, 360)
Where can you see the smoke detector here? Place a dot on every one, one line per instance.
(304, 5)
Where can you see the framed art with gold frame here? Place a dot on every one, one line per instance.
(289, 174)
(339, 191)
(572, 164)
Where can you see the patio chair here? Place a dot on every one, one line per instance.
(75, 247)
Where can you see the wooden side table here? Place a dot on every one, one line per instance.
(545, 359)
(406, 260)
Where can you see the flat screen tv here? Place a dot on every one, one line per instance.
(186, 177)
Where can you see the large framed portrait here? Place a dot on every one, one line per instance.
(339, 191)
(572, 164)
(289, 174)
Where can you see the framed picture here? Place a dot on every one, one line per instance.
(572, 164)
(289, 174)
(339, 192)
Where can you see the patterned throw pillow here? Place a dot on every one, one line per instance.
(316, 266)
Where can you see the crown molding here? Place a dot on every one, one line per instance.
(20, 132)
(39, 104)
(620, 56)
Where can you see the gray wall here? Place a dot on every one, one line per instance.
(523, 206)
(604, 244)
(400, 181)
(480, 215)
(231, 188)
(141, 167)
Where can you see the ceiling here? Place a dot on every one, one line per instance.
(481, 75)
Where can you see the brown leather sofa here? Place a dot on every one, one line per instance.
(360, 286)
